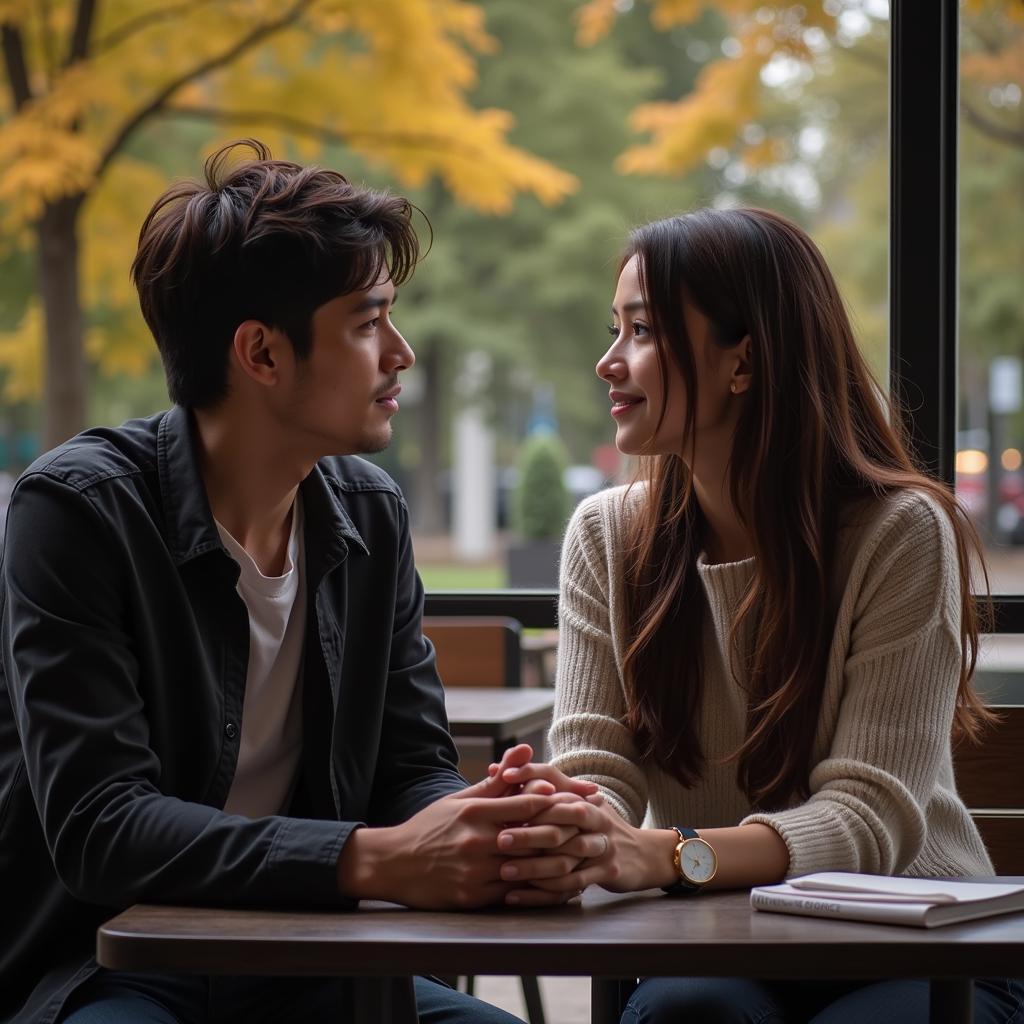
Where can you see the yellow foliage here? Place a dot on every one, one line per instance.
(766, 153)
(1011, 9)
(1006, 65)
(594, 21)
(725, 98)
(394, 76)
(390, 79)
(130, 351)
(21, 356)
(728, 92)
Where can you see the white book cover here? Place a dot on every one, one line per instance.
(920, 902)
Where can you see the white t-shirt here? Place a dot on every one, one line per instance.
(271, 742)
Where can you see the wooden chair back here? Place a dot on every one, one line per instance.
(990, 778)
(475, 650)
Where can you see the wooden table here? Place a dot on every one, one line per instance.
(486, 721)
(605, 936)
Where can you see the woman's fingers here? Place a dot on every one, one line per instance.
(585, 846)
(533, 897)
(575, 881)
(519, 775)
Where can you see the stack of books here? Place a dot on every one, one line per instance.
(920, 902)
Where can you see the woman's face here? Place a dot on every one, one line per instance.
(633, 374)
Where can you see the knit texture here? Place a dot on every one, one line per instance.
(883, 797)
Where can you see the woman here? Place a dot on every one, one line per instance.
(768, 638)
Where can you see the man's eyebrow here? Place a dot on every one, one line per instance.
(375, 302)
(631, 307)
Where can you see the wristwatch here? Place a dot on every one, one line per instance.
(695, 862)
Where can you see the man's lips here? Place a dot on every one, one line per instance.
(389, 400)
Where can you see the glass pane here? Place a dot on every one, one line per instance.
(990, 437)
(781, 106)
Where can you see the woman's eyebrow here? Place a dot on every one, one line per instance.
(630, 307)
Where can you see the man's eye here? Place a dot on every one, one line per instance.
(371, 325)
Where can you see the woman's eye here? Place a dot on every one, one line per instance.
(613, 330)
(639, 329)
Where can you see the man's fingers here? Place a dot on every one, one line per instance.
(521, 807)
(531, 868)
(541, 837)
(578, 816)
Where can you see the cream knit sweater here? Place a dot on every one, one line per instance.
(883, 798)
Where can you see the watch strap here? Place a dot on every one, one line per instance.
(681, 886)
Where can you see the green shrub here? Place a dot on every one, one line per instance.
(541, 499)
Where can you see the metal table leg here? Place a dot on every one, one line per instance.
(951, 1001)
(384, 999)
(608, 997)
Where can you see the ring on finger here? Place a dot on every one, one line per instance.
(604, 848)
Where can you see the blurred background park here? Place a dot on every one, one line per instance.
(532, 134)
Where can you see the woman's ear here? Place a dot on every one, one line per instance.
(742, 372)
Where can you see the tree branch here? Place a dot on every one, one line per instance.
(14, 60)
(84, 18)
(257, 35)
(273, 119)
(999, 132)
(118, 35)
(49, 60)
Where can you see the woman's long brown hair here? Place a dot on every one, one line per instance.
(816, 432)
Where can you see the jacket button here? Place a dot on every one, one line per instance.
(231, 730)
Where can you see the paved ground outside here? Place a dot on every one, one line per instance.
(566, 1000)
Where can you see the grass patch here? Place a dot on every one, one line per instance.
(462, 577)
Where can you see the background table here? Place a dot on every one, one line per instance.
(486, 721)
(604, 936)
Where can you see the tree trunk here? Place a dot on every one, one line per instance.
(64, 387)
(428, 512)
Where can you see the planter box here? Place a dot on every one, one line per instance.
(533, 563)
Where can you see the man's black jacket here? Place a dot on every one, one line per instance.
(123, 657)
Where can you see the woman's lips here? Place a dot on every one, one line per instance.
(624, 406)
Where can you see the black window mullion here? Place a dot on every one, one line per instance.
(923, 83)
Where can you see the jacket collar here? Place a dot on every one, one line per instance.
(190, 528)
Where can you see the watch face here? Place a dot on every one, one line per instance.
(698, 861)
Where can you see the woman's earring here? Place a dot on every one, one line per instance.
(732, 387)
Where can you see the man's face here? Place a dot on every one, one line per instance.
(345, 391)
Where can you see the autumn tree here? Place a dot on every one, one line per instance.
(86, 78)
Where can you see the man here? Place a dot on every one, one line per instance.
(212, 658)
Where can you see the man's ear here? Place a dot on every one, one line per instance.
(257, 351)
(743, 371)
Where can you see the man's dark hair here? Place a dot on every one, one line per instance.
(263, 240)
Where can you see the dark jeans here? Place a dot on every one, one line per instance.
(115, 997)
(746, 1001)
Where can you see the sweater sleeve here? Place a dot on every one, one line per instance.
(866, 811)
(588, 737)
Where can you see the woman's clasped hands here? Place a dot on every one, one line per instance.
(577, 842)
